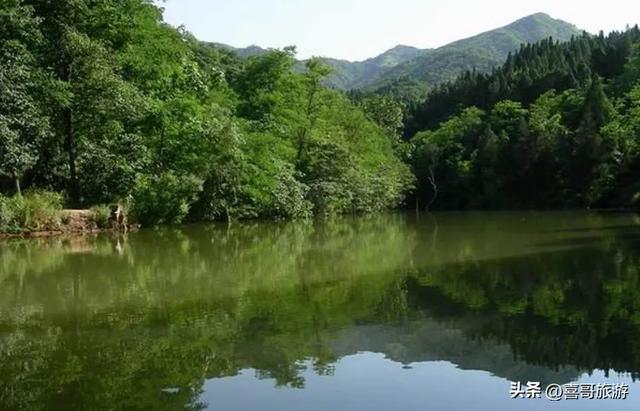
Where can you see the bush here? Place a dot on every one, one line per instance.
(164, 199)
(101, 215)
(37, 210)
(290, 197)
(7, 219)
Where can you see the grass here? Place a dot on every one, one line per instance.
(36, 210)
(101, 215)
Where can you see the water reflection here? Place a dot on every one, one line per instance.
(175, 318)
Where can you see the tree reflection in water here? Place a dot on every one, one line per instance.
(141, 322)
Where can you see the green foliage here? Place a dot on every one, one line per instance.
(101, 215)
(480, 53)
(36, 210)
(441, 157)
(533, 70)
(388, 114)
(164, 199)
(105, 101)
(406, 73)
(291, 196)
(356, 170)
(23, 123)
(560, 131)
(345, 75)
(348, 75)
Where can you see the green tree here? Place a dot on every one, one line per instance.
(443, 155)
(589, 149)
(139, 110)
(316, 71)
(389, 115)
(23, 124)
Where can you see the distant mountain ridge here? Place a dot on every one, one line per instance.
(482, 52)
(425, 68)
(243, 52)
(347, 74)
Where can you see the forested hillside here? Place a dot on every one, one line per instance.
(482, 53)
(345, 75)
(349, 75)
(558, 125)
(408, 72)
(104, 102)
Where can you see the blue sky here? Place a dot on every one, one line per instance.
(358, 29)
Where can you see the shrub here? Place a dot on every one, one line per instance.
(290, 197)
(7, 219)
(37, 210)
(330, 198)
(164, 199)
(101, 215)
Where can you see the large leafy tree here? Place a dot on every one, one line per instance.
(23, 124)
(115, 104)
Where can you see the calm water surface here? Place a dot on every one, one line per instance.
(394, 312)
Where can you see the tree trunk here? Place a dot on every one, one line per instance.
(302, 137)
(434, 186)
(70, 147)
(160, 162)
(70, 143)
(18, 188)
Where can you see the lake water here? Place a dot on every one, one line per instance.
(392, 312)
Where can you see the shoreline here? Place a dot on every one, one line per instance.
(82, 222)
(72, 223)
(49, 233)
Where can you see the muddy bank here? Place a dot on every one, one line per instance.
(74, 222)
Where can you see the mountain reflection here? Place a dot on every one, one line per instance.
(142, 322)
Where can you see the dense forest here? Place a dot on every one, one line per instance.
(104, 102)
(558, 125)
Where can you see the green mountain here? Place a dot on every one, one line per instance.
(244, 52)
(482, 52)
(349, 75)
(405, 67)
